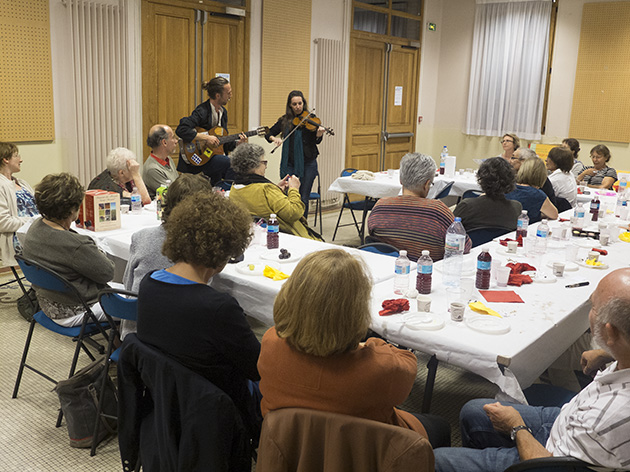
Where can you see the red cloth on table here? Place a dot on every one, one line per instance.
(519, 240)
(397, 305)
(516, 277)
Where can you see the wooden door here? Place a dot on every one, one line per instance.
(382, 101)
(168, 65)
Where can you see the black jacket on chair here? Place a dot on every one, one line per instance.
(173, 418)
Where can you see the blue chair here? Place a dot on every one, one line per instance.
(317, 196)
(551, 464)
(364, 206)
(480, 236)
(380, 248)
(471, 194)
(224, 184)
(48, 279)
(444, 192)
(121, 304)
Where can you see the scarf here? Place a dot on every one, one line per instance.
(251, 179)
(298, 154)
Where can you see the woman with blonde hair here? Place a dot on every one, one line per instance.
(531, 176)
(510, 143)
(314, 356)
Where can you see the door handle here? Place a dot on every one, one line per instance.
(387, 135)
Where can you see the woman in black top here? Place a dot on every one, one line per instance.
(299, 154)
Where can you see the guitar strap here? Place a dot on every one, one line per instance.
(298, 154)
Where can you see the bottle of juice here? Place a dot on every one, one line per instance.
(273, 235)
(484, 263)
(425, 273)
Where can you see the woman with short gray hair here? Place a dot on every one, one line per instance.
(261, 197)
(411, 221)
(121, 176)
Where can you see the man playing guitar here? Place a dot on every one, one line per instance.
(208, 115)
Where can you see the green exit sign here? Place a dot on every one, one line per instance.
(432, 27)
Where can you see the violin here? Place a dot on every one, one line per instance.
(310, 122)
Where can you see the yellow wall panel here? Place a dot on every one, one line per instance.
(26, 94)
(286, 54)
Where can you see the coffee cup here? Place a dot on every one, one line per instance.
(424, 303)
(457, 311)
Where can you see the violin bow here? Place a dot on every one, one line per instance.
(293, 130)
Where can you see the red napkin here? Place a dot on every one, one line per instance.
(501, 296)
(394, 306)
(603, 252)
(516, 278)
(519, 240)
(519, 267)
(562, 220)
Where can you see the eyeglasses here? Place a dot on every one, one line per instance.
(263, 162)
(506, 141)
(513, 158)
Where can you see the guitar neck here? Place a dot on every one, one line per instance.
(235, 137)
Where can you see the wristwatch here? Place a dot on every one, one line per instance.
(516, 429)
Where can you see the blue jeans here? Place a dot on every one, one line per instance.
(484, 449)
(215, 168)
(306, 182)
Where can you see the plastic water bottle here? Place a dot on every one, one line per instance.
(522, 224)
(454, 245)
(136, 202)
(443, 156)
(273, 232)
(623, 184)
(425, 273)
(595, 208)
(622, 201)
(484, 264)
(542, 234)
(401, 277)
(579, 214)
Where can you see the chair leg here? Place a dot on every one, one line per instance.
(339, 219)
(319, 208)
(23, 361)
(101, 398)
(432, 366)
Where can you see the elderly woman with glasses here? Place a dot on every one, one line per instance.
(412, 221)
(121, 176)
(599, 175)
(510, 143)
(261, 197)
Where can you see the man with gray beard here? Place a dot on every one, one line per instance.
(594, 426)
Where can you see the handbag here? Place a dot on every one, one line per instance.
(28, 305)
(79, 396)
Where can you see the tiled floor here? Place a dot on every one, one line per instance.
(29, 440)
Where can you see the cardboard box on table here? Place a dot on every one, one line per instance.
(100, 211)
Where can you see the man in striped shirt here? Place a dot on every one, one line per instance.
(593, 427)
(411, 221)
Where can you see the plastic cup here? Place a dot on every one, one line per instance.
(604, 238)
(512, 247)
(390, 173)
(424, 303)
(571, 253)
(494, 268)
(593, 256)
(467, 285)
(454, 294)
(528, 244)
(457, 311)
(124, 208)
(558, 269)
(503, 274)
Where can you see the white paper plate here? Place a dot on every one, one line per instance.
(541, 277)
(568, 266)
(520, 252)
(423, 321)
(604, 266)
(250, 268)
(589, 243)
(273, 255)
(487, 324)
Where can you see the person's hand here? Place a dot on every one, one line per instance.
(284, 183)
(320, 131)
(594, 360)
(294, 182)
(277, 141)
(133, 167)
(242, 139)
(503, 418)
(209, 140)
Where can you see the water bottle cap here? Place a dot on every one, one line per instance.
(403, 252)
(524, 212)
(273, 215)
(544, 220)
(457, 218)
(485, 249)
(425, 253)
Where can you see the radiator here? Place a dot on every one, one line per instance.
(99, 57)
(330, 60)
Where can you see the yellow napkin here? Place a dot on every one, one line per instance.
(625, 237)
(479, 307)
(274, 274)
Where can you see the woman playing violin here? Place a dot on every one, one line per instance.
(299, 153)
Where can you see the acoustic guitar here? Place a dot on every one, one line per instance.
(198, 154)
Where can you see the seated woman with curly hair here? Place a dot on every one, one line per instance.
(531, 176)
(261, 197)
(491, 209)
(52, 243)
(314, 358)
(179, 314)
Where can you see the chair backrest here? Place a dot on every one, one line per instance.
(483, 235)
(115, 304)
(174, 418)
(471, 194)
(348, 171)
(562, 204)
(295, 439)
(43, 277)
(224, 184)
(445, 191)
(381, 248)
